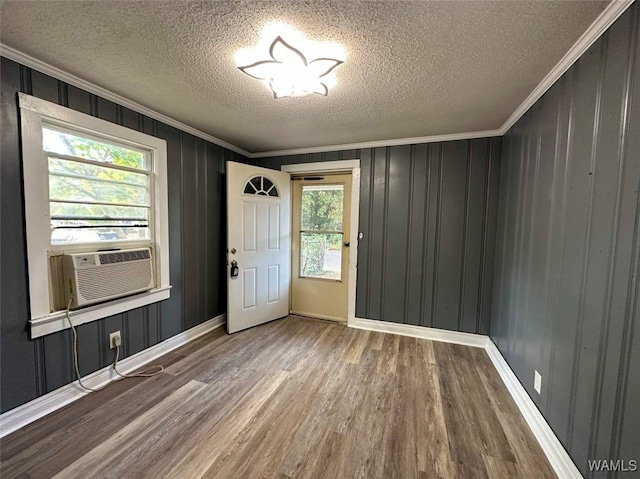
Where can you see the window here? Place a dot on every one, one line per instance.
(321, 231)
(261, 186)
(89, 185)
(98, 191)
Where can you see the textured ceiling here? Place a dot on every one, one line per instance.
(412, 69)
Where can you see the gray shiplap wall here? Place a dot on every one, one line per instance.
(428, 214)
(566, 289)
(196, 247)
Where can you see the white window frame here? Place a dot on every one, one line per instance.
(34, 113)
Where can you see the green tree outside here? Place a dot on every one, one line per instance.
(322, 211)
(75, 187)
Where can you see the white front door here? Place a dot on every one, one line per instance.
(258, 244)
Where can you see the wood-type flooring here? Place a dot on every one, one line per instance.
(294, 398)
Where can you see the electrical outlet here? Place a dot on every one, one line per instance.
(537, 381)
(115, 340)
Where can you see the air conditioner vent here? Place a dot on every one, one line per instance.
(113, 280)
(122, 256)
(96, 277)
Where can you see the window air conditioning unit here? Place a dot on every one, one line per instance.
(103, 275)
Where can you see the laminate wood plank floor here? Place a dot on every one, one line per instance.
(295, 398)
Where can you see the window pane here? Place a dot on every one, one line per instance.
(85, 211)
(266, 184)
(257, 182)
(67, 235)
(321, 255)
(322, 207)
(103, 173)
(260, 185)
(72, 188)
(68, 144)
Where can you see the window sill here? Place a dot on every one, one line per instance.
(58, 321)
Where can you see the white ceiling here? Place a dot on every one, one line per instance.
(412, 69)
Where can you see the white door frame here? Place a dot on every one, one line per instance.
(342, 166)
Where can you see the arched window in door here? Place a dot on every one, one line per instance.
(261, 186)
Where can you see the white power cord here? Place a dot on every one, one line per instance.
(75, 352)
(142, 374)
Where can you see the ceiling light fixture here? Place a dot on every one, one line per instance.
(289, 73)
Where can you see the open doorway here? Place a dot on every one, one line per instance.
(320, 243)
(325, 203)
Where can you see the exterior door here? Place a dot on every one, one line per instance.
(259, 251)
(320, 246)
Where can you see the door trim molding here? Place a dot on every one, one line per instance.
(322, 167)
(556, 454)
(20, 416)
(352, 166)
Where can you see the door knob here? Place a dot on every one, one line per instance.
(233, 251)
(347, 244)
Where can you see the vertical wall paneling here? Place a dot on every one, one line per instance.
(377, 232)
(362, 287)
(610, 187)
(31, 368)
(396, 251)
(428, 213)
(478, 160)
(154, 331)
(79, 100)
(431, 233)
(626, 435)
(189, 227)
(489, 230)
(565, 293)
(451, 235)
(25, 378)
(133, 335)
(200, 233)
(219, 270)
(150, 127)
(418, 175)
(172, 309)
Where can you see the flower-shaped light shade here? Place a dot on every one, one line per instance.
(289, 73)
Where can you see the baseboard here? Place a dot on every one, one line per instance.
(326, 317)
(556, 454)
(19, 417)
(466, 339)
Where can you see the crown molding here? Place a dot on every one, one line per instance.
(609, 15)
(380, 143)
(34, 63)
